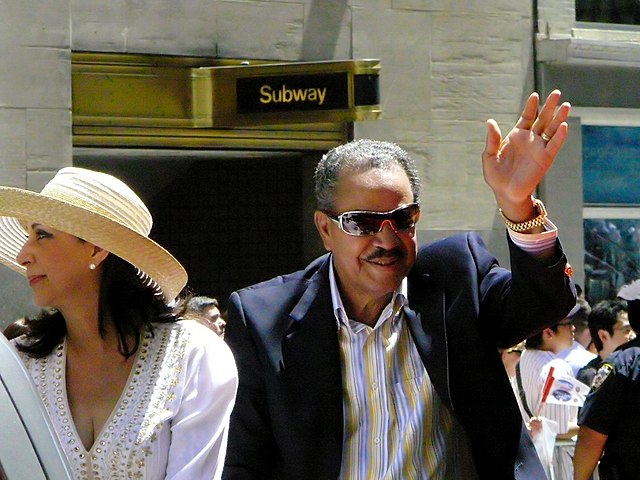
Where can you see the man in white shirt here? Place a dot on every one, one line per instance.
(540, 355)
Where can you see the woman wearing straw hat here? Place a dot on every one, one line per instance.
(133, 391)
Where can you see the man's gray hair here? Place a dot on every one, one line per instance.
(360, 156)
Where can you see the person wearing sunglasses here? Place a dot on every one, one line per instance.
(380, 360)
(543, 351)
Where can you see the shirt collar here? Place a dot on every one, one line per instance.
(398, 300)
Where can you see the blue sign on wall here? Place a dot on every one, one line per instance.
(611, 165)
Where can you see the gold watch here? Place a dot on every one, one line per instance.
(536, 221)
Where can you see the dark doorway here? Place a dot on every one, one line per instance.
(624, 12)
(231, 218)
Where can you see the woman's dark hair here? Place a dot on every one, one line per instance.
(128, 301)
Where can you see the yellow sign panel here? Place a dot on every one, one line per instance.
(153, 94)
(295, 93)
(123, 99)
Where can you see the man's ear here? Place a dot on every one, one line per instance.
(604, 336)
(322, 222)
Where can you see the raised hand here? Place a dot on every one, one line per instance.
(513, 166)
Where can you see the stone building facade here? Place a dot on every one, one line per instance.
(446, 68)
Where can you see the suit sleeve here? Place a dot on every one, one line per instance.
(535, 294)
(250, 451)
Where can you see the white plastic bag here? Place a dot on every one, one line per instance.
(545, 441)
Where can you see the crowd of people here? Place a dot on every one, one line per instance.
(604, 329)
(608, 440)
(380, 359)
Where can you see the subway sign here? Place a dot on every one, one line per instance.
(131, 91)
(295, 93)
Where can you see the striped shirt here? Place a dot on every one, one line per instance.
(534, 368)
(395, 426)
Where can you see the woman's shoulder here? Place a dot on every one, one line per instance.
(203, 347)
(194, 335)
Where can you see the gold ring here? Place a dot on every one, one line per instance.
(545, 137)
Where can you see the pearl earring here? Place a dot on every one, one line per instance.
(92, 266)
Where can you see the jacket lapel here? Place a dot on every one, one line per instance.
(310, 367)
(427, 323)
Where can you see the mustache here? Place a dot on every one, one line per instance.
(383, 253)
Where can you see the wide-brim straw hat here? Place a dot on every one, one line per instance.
(97, 208)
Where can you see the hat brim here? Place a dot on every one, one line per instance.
(19, 206)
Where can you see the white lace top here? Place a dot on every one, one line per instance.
(172, 418)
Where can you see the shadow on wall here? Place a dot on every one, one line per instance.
(323, 22)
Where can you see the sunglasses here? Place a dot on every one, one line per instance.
(364, 224)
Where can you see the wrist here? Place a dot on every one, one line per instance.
(518, 210)
(532, 223)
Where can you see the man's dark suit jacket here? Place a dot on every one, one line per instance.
(288, 422)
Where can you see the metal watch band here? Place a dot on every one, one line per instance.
(537, 221)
